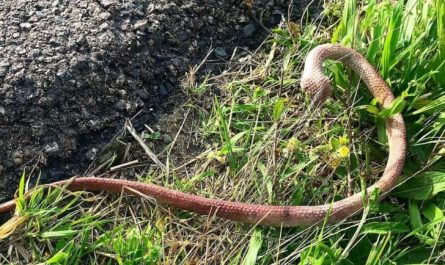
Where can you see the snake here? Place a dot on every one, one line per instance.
(318, 87)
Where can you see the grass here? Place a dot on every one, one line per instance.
(261, 143)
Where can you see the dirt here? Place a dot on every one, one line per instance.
(72, 71)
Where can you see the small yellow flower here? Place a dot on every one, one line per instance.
(334, 162)
(343, 151)
(216, 156)
(292, 144)
(343, 140)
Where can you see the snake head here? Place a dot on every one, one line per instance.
(317, 85)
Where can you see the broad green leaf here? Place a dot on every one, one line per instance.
(201, 176)
(436, 217)
(21, 201)
(259, 92)
(432, 212)
(414, 214)
(270, 193)
(417, 254)
(298, 194)
(372, 109)
(381, 130)
(55, 234)
(328, 250)
(422, 187)
(245, 107)
(384, 228)
(263, 170)
(428, 240)
(278, 109)
(58, 258)
(237, 137)
(395, 107)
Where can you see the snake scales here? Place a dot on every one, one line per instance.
(318, 86)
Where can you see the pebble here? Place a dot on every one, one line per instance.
(121, 104)
(140, 25)
(105, 15)
(135, 72)
(57, 174)
(104, 26)
(3, 71)
(122, 92)
(166, 138)
(249, 30)
(17, 157)
(163, 90)
(220, 52)
(51, 148)
(25, 25)
(91, 154)
(106, 3)
(143, 94)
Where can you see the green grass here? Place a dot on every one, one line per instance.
(263, 144)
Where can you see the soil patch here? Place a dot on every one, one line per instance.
(71, 72)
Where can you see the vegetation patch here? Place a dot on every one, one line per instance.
(250, 135)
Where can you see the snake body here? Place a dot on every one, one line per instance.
(316, 84)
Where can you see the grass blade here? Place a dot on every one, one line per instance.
(256, 241)
(409, 20)
(440, 12)
(345, 32)
(391, 40)
(435, 105)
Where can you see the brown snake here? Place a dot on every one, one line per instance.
(318, 86)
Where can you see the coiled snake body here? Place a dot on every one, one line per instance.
(318, 86)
